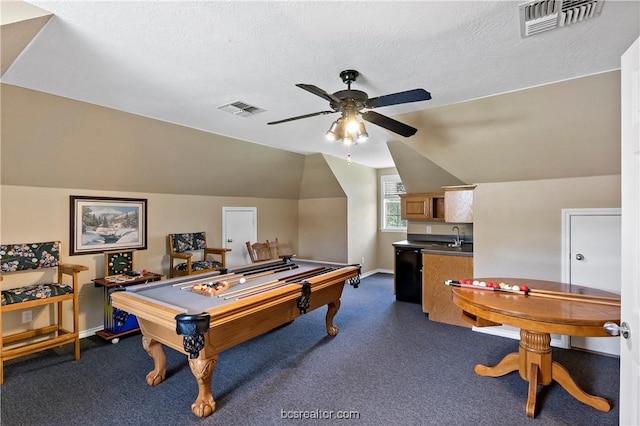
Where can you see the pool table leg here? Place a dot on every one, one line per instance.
(155, 351)
(202, 369)
(332, 310)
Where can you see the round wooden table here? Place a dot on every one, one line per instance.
(577, 311)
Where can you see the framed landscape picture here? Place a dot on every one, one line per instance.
(100, 224)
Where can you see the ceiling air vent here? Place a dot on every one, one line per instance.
(544, 15)
(241, 109)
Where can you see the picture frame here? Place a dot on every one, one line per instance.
(100, 224)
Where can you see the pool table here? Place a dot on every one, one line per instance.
(261, 297)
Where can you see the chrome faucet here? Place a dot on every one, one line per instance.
(457, 242)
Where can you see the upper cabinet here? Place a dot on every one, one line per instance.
(458, 203)
(423, 206)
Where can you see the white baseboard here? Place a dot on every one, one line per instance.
(376, 271)
(90, 332)
(558, 341)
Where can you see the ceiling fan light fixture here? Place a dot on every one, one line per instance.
(333, 132)
(361, 134)
(353, 125)
(348, 138)
(337, 130)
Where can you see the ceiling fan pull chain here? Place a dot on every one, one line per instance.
(349, 158)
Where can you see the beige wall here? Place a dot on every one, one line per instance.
(517, 225)
(360, 186)
(31, 214)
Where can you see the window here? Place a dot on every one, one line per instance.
(391, 188)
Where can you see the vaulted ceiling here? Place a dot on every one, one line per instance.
(179, 61)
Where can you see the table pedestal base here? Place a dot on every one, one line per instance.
(533, 362)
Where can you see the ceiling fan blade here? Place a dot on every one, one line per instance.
(319, 92)
(414, 95)
(302, 116)
(389, 123)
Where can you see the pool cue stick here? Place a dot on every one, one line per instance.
(274, 268)
(303, 274)
(255, 290)
(234, 293)
(230, 278)
(188, 284)
(610, 301)
(271, 285)
(260, 288)
(579, 295)
(260, 274)
(196, 279)
(484, 288)
(277, 285)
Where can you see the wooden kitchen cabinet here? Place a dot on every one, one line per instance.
(423, 206)
(436, 296)
(458, 203)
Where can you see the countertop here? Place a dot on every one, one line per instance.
(437, 247)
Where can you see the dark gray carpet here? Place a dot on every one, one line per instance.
(389, 364)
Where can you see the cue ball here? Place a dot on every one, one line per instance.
(243, 280)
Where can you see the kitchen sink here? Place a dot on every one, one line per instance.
(445, 247)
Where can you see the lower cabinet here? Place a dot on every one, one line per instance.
(436, 296)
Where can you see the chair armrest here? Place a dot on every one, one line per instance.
(181, 255)
(68, 268)
(213, 250)
(217, 251)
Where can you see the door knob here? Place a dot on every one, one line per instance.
(229, 240)
(579, 257)
(614, 330)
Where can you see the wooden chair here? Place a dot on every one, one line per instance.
(259, 252)
(274, 248)
(19, 259)
(182, 248)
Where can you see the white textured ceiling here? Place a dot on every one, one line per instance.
(178, 61)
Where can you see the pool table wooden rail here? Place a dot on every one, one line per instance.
(230, 323)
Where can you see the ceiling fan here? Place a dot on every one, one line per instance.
(350, 104)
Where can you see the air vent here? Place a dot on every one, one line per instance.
(241, 109)
(544, 15)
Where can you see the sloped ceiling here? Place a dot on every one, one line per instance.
(179, 61)
(418, 173)
(566, 129)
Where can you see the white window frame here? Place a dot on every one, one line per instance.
(386, 179)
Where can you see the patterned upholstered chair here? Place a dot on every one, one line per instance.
(182, 248)
(21, 258)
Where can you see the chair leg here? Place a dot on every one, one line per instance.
(76, 326)
(1, 347)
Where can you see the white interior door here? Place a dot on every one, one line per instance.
(239, 225)
(593, 259)
(630, 312)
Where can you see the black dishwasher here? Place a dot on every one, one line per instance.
(408, 275)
